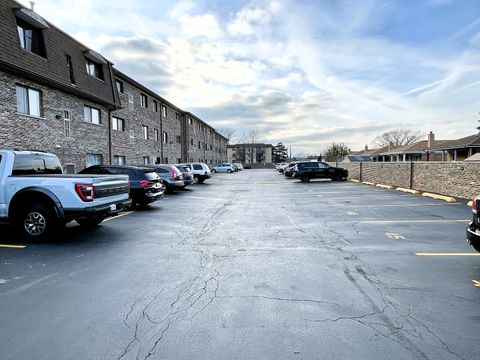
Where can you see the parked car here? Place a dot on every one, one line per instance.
(37, 198)
(288, 170)
(236, 168)
(145, 185)
(201, 171)
(171, 176)
(225, 167)
(239, 166)
(314, 169)
(247, 166)
(187, 174)
(473, 229)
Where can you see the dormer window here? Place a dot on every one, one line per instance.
(94, 69)
(31, 38)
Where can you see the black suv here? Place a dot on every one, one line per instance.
(145, 185)
(313, 169)
(473, 229)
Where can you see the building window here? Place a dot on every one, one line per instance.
(199, 144)
(94, 69)
(118, 160)
(191, 142)
(31, 38)
(155, 105)
(146, 160)
(179, 160)
(130, 102)
(178, 139)
(145, 132)
(191, 121)
(211, 147)
(156, 134)
(29, 101)
(67, 125)
(70, 69)
(165, 160)
(143, 101)
(118, 124)
(93, 159)
(119, 85)
(178, 116)
(164, 111)
(70, 169)
(165, 137)
(91, 115)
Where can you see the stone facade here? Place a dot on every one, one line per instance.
(47, 132)
(131, 142)
(459, 179)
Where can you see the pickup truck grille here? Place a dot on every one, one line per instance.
(105, 191)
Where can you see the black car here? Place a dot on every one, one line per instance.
(317, 170)
(473, 229)
(145, 185)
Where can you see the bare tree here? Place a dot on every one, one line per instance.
(398, 137)
(229, 133)
(251, 138)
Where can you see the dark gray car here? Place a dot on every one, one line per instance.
(171, 176)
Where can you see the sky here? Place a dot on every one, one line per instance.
(306, 73)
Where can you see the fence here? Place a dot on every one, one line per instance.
(459, 179)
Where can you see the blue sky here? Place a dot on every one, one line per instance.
(307, 73)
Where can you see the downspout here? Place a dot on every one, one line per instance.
(112, 85)
(161, 132)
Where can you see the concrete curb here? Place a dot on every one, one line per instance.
(384, 186)
(354, 180)
(411, 191)
(368, 183)
(449, 199)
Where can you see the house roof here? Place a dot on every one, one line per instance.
(468, 141)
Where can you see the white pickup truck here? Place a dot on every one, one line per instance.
(39, 199)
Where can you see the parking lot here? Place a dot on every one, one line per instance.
(250, 265)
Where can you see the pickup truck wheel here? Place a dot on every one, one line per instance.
(200, 180)
(305, 178)
(37, 221)
(90, 221)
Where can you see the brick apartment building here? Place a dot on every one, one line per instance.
(58, 96)
(250, 153)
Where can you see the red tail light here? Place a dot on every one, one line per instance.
(474, 205)
(173, 173)
(86, 192)
(146, 183)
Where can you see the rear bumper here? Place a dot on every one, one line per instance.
(108, 209)
(473, 237)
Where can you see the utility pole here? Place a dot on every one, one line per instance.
(290, 147)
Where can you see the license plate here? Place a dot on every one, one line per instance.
(113, 207)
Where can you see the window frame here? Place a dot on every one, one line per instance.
(145, 132)
(143, 100)
(97, 69)
(91, 108)
(116, 121)
(119, 86)
(27, 92)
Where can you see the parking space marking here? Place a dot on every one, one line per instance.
(395, 205)
(352, 213)
(119, 215)
(447, 254)
(13, 246)
(395, 236)
(412, 221)
(476, 283)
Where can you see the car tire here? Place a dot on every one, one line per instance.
(229, 171)
(200, 180)
(37, 221)
(214, 171)
(90, 222)
(305, 178)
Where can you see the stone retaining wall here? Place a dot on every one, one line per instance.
(459, 179)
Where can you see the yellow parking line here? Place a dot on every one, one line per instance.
(447, 254)
(116, 217)
(394, 205)
(411, 221)
(12, 246)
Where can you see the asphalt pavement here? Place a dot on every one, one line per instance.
(250, 265)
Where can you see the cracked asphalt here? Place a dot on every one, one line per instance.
(250, 266)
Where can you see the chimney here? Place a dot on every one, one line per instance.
(32, 5)
(431, 139)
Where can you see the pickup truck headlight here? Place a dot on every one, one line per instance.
(86, 192)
